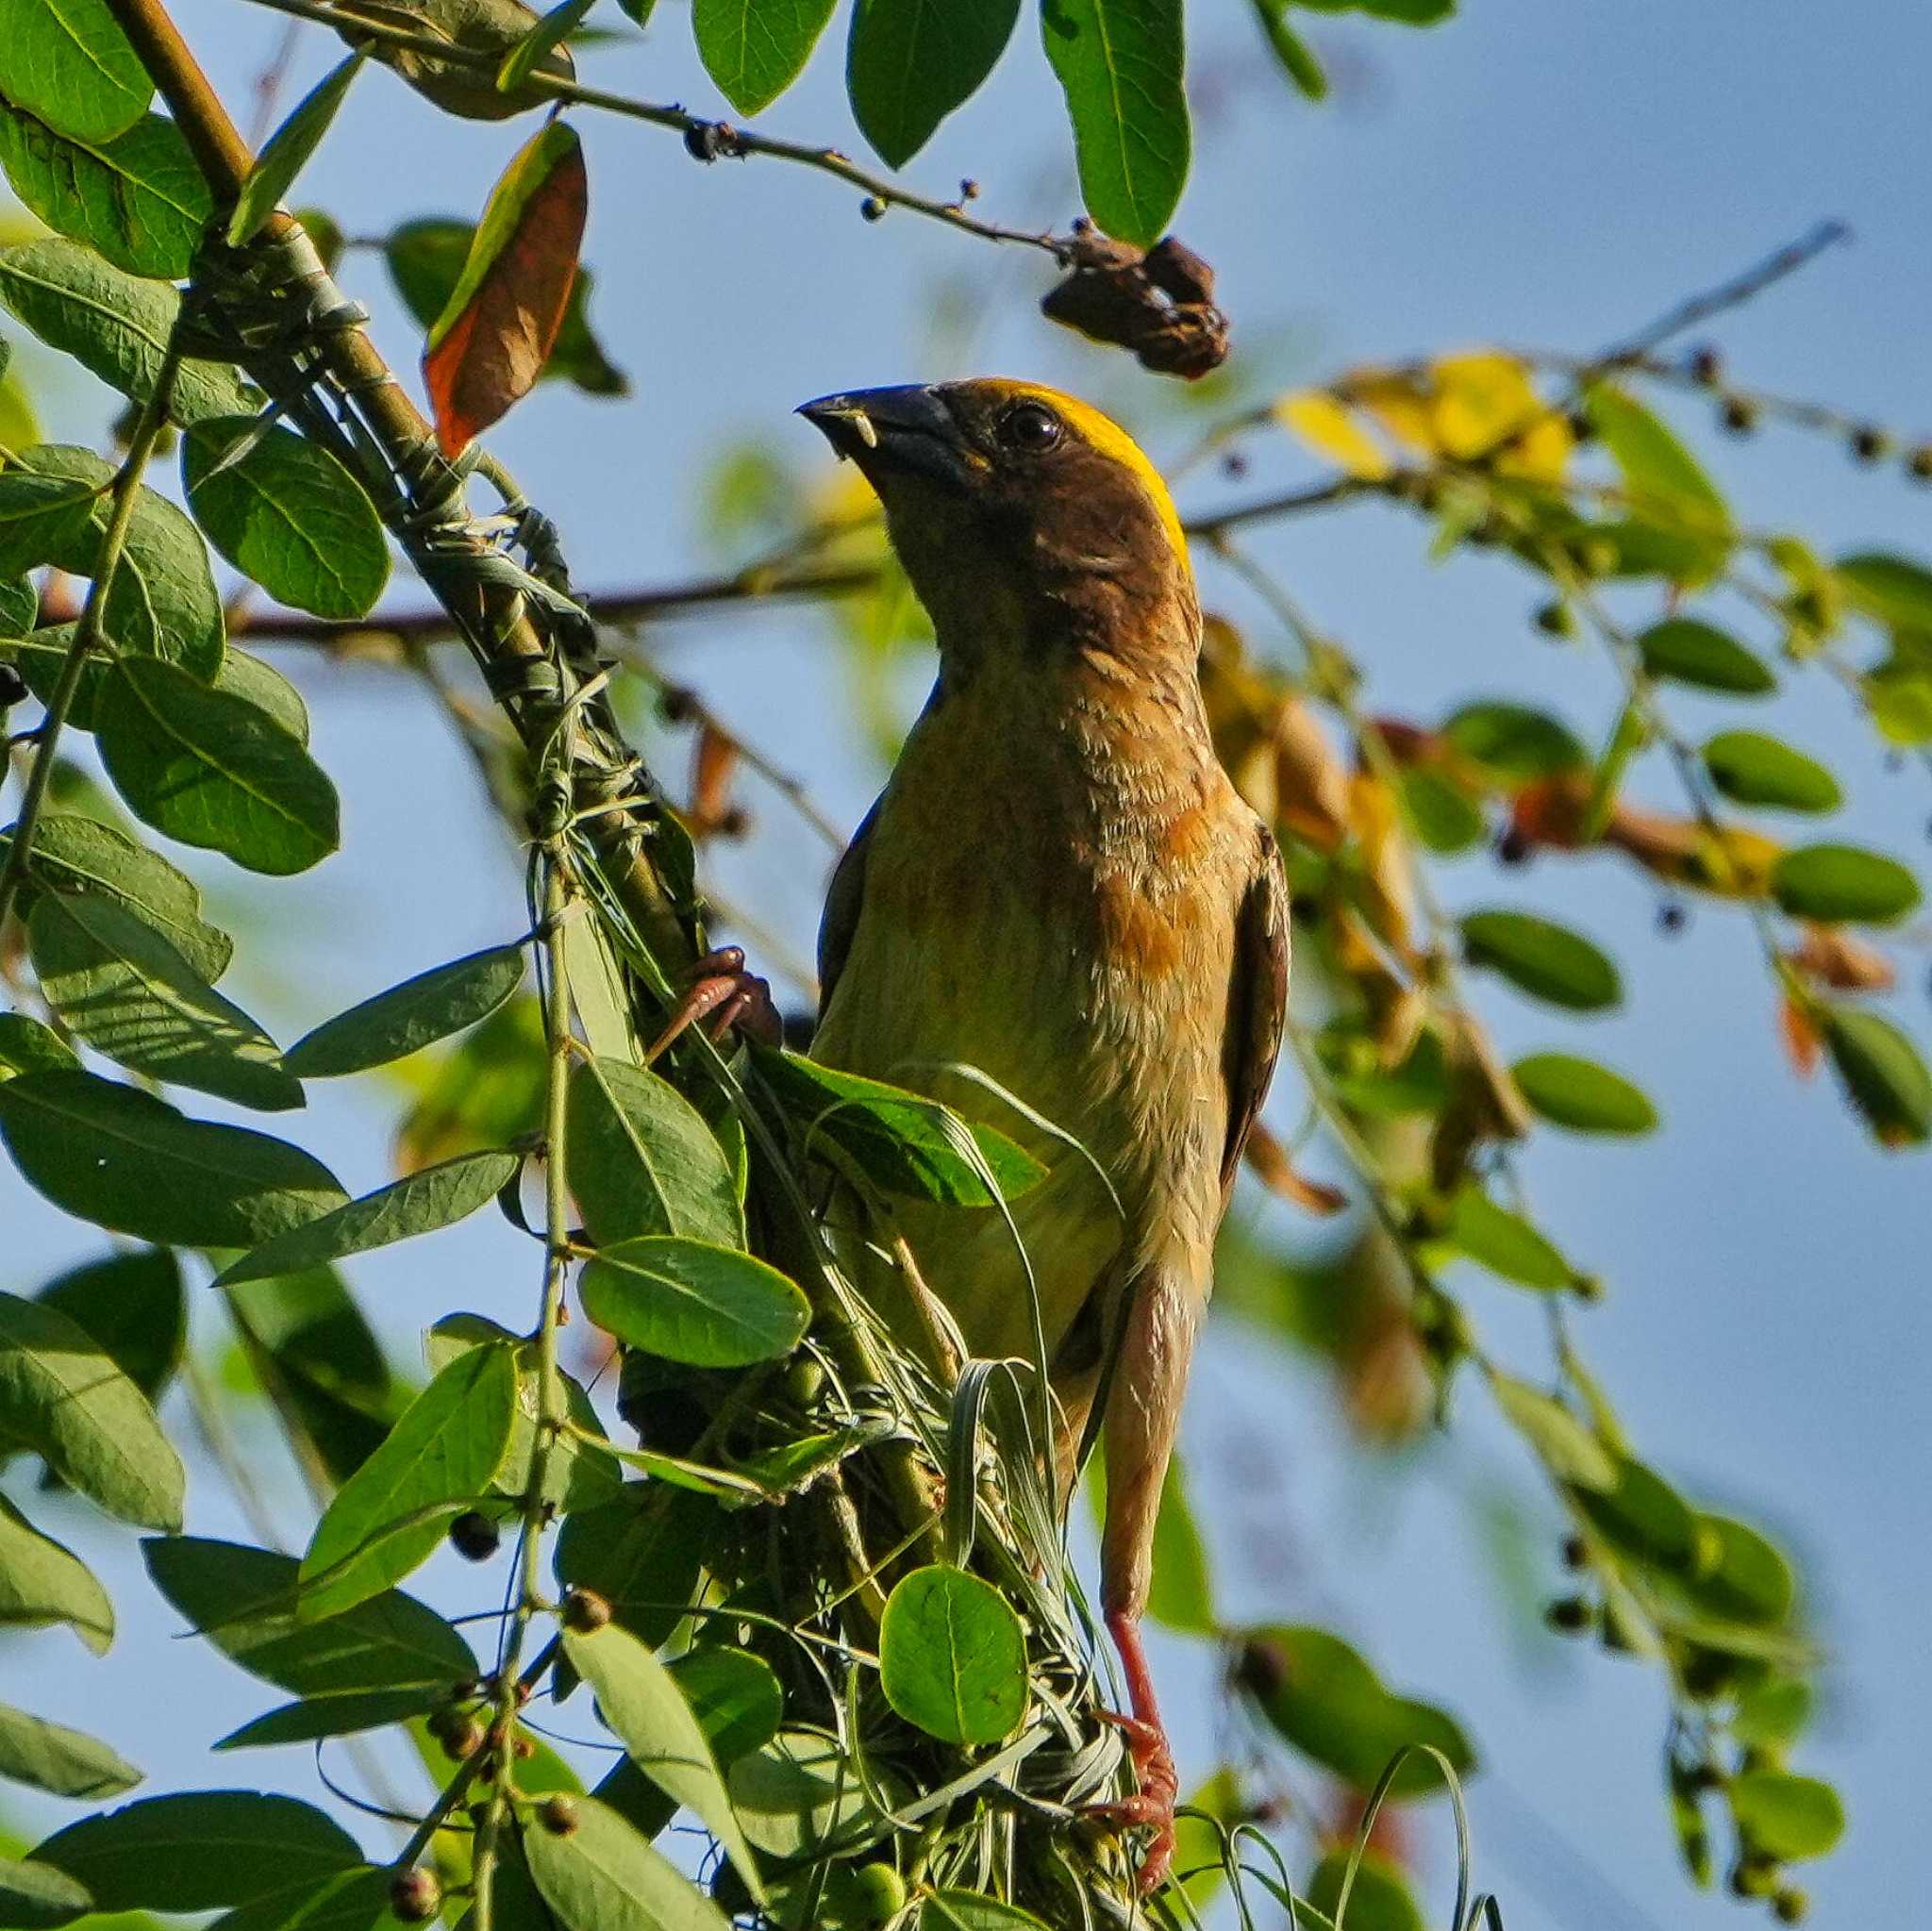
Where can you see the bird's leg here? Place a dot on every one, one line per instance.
(1152, 1805)
(720, 990)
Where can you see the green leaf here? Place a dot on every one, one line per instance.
(1742, 1573)
(1642, 1515)
(965, 1910)
(642, 1553)
(36, 1897)
(1323, 1697)
(643, 1162)
(199, 1851)
(26, 1047)
(287, 515)
(1568, 1449)
(126, 1162)
(1831, 882)
(479, 26)
(1514, 745)
(1689, 651)
(952, 1656)
(1582, 1095)
(137, 198)
(343, 1715)
(62, 1396)
(411, 1016)
(735, 1696)
(287, 153)
(1296, 56)
(691, 1301)
(353, 1900)
(901, 1141)
(42, 1582)
(1505, 1243)
(68, 1762)
(1119, 63)
(426, 257)
(1544, 959)
(1663, 481)
(1443, 817)
(578, 1475)
(1759, 770)
(908, 63)
(1900, 703)
(418, 1203)
(439, 1458)
(116, 325)
(1379, 1900)
(603, 1877)
(755, 49)
(122, 987)
(797, 1796)
(336, 1392)
(643, 1707)
(42, 518)
(244, 1601)
(164, 603)
(550, 33)
(1884, 1075)
(1894, 590)
(1789, 1816)
(1774, 1714)
(134, 1306)
(70, 852)
(69, 62)
(261, 684)
(209, 769)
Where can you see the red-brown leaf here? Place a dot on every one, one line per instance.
(489, 346)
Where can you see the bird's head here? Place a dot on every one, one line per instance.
(1020, 511)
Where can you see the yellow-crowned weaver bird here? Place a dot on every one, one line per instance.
(1059, 887)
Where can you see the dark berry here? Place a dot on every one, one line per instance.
(1868, 444)
(1739, 415)
(557, 1815)
(1706, 365)
(473, 1536)
(584, 1611)
(415, 1895)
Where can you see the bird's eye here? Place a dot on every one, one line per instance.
(1030, 427)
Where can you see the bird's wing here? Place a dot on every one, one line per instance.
(843, 901)
(1258, 1002)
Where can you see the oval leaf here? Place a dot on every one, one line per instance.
(41, 1583)
(200, 1851)
(1790, 1817)
(139, 199)
(115, 325)
(411, 1016)
(441, 1458)
(287, 152)
(36, 1897)
(952, 1656)
(488, 345)
(1505, 1243)
(603, 1877)
(1882, 1074)
(418, 1203)
(1833, 883)
(287, 515)
(755, 49)
(69, 62)
(690, 1300)
(62, 1395)
(642, 1160)
(1544, 959)
(1571, 1452)
(908, 63)
(1120, 66)
(1688, 652)
(122, 987)
(126, 1162)
(1759, 770)
(209, 769)
(642, 1705)
(1582, 1095)
(67, 1762)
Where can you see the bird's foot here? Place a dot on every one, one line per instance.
(1151, 1807)
(719, 994)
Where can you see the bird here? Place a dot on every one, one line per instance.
(1061, 888)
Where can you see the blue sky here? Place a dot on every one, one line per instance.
(1535, 175)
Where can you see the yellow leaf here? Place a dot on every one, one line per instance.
(1330, 430)
(1485, 403)
(1395, 401)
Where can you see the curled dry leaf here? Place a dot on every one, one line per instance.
(490, 342)
(1830, 956)
(1269, 1161)
(471, 26)
(1804, 1044)
(713, 765)
(1160, 304)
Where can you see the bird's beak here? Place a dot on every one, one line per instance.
(903, 431)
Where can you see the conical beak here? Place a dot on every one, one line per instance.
(887, 432)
